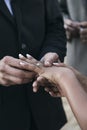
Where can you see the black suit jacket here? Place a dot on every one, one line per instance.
(35, 28)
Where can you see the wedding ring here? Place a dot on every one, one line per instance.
(38, 64)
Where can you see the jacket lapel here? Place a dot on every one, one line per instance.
(5, 11)
(18, 17)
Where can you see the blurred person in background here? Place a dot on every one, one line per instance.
(75, 19)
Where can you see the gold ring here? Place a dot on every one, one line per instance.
(38, 64)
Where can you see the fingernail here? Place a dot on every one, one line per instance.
(34, 90)
(55, 63)
(28, 56)
(21, 56)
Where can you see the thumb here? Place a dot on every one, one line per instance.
(46, 61)
(50, 59)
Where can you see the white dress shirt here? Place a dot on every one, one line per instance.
(7, 2)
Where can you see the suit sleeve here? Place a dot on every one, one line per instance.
(55, 38)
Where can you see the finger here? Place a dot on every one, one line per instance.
(5, 82)
(22, 57)
(83, 33)
(83, 24)
(31, 67)
(68, 22)
(69, 29)
(47, 89)
(60, 64)
(54, 94)
(29, 58)
(49, 58)
(14, 80)
(42, 81)
(45, 61)
(35, 86)
(38, 82)
(58, 61)
(72, 24)
(11, 61)
(17, 72)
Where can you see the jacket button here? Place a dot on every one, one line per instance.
(23, 46)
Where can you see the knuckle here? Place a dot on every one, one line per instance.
(5, 83)
(2, 67)
(6, 59)
(56, 54)
(3, 76)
